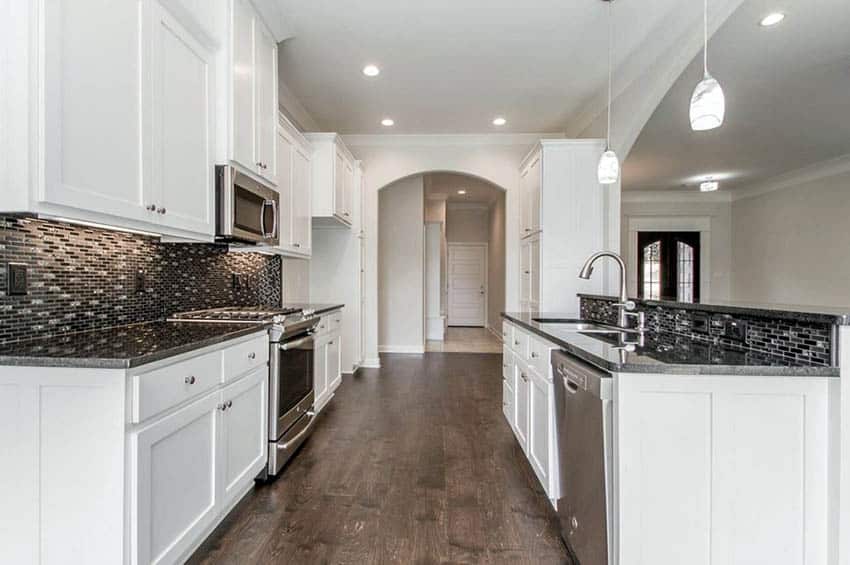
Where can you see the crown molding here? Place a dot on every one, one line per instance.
(676, 196)
(824, 169)
(434, 140)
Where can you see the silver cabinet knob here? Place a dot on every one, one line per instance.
(534, 355)
(252, 355)
(161, 211)
(150, 207)
(189, 380)
(296, 245)
(229, 403)
(222, 406)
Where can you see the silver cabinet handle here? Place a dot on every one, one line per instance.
(524, 377)
(229, 403)
(252, 355)
(222, 406)
(330, 343)
(151, 207)
(516, 342)
(296, 245)
(189, 380)
(534, 355)
(161, 211)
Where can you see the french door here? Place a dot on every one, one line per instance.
(668, 266)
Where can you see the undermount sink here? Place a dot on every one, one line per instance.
(572, 325)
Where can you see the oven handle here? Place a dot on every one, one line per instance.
(302, 433)
(290, 344)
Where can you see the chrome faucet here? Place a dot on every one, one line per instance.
(625, 305)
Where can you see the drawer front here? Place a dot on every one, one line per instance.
(334, 322)
(508, 403)
(508, 366)
(324, 326)
(166, 387)
(507, 334)
(538, 357)
(520, 343)
(241, 358)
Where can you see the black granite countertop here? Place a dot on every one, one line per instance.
(318, 308)
(825, 314)
(122, 347)
(664, 353)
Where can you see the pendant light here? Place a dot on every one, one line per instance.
(608, 171)
(708, 105)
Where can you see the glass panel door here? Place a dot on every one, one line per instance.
(668, 266)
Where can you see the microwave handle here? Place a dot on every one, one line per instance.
(274, 216)
(263, 218)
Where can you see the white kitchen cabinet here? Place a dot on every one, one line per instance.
(523, 391)
(244, 432)
(327, 375)
(333, 366)
(251, 85)
(294, 187)
(509, 387)
(320, 374)
(176, 491)
(564, 215)
(122, 122)
(539, 435)
(334, 186)
(182, 181)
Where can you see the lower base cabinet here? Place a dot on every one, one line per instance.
(327, 364)
(193, 464)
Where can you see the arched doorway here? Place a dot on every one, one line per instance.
(441, 262)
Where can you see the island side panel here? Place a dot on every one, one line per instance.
(62, 476)
(722, 469)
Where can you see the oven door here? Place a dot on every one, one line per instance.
(291, 383)
(247, 209)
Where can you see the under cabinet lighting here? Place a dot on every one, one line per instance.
(772, 19)
(387, 122)
(461, 192)
(708, 186)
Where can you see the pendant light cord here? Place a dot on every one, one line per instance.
(705, 37)
(610, 59)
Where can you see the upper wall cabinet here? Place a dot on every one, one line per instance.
(294, 158)
(334, 189)
(119, 116)
(251, 81)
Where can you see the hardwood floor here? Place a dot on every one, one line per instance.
(411, 463)
(466, 340)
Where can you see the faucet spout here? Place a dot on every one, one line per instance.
(625, 303)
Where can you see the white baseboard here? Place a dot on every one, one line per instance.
(409, 349)
(374, 363)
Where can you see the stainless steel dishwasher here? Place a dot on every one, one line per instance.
(583, 419)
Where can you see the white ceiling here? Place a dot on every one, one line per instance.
(787, 101)
(450, 66)
(444, 186)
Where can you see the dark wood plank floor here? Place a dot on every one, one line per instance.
(412, 463)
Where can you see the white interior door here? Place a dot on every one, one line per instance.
(467, 285)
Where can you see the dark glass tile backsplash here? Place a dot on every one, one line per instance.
(806, 342)
(83, 278)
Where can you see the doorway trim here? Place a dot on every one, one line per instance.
(485, 247)
(701, 224)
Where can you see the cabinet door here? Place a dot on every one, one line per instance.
(320, 373)
(534, 279)
(265, 75)
(523, 386)
(242, 75)
(525, 275)
(244, 433)
(174, 481)
(301, 200)
(538, 429)
(339, 185)
(348, 192)
(285, 186)
(181, 115)
(524, 228)
(93, 94)
(334, 374)
(533, 197)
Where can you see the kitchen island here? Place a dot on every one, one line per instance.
(715, 453)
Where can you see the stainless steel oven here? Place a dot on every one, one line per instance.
(291, 394)
(246, 210)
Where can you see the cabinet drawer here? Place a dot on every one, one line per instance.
(508, 366)
(520, 343)
(507, 334)
(538, 357)
(324, 326)
(245, 356)
(161, 389)
(508, 403)
(334, 320)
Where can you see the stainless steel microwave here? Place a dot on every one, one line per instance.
(246, 209)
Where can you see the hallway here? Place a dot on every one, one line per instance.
(411, 463)
(466, 340)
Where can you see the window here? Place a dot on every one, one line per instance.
(669, 266)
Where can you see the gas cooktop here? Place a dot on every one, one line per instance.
(235, 314)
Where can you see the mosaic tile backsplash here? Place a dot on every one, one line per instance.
(85, 278)
(798, 341)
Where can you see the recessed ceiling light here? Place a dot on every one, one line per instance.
(499, 121)
(461, 192)
(772, 19)
(708, 186)
(371, 70)
(387, 122)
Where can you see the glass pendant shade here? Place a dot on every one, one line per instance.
(608, 170)
(708, 105)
